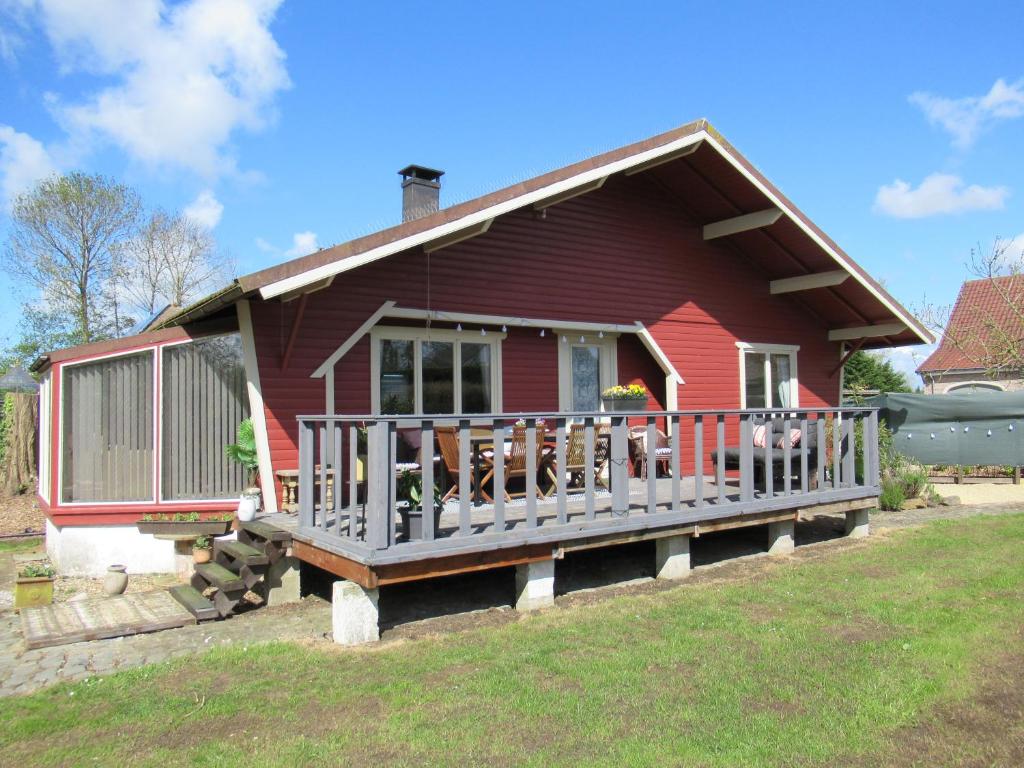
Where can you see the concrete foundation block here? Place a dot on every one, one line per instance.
(672, 557)
(535, 585)
(858, 523)
(781, 538)
(355, 614)
(282, 580)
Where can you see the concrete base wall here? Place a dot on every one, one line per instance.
(88, 550)
(354, 613)
(282, 581)
(858, 523)
(781, 538)
(535, 585)
(672, 557)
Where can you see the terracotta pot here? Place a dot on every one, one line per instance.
(116, 580)
(201, 555)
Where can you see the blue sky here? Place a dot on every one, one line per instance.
(281, 124)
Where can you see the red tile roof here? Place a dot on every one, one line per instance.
(986, 311)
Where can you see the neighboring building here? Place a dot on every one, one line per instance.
(671, 262)
(988, 315)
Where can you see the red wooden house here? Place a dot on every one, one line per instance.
(671, 262)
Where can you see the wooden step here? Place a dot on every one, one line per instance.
(241, 553)
(219, 576)
(194, 602)
(262, 530)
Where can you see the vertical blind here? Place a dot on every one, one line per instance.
(108, 430)
(204, 399)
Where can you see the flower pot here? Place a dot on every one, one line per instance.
(412, 522)
(116, 580)
(178, 529)
(622, 405)
(247, 506)
(201, 555)
(33, 591)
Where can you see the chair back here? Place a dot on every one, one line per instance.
(576, 446)
(516, 461)
(448, 442)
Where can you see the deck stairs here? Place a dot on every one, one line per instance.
(237, 567)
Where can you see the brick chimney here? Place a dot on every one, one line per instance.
(421, 191)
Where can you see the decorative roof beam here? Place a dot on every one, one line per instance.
(458, 237)
(742, 223)
(569, 194)
(664, 159)
(809, 282)
(319, 285)
(866, 331)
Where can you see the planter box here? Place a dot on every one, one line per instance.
(30, 592)
(412, 522)
(621, 405)
(176, 529)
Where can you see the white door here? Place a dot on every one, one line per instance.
(585, 369)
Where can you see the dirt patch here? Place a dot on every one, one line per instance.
(20, 514)
(861, 630)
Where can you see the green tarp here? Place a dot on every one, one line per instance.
(982, 428)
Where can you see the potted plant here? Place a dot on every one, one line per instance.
(34, 586)
(625, 397)
(409, 490)
(184, 525)
(244, 452)
(202, 550)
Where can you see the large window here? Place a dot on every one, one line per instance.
(204, 399)
(435, 372)
(107, 430)
(768, 376)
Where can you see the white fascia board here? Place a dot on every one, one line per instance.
(657, 353)
(362, 330)
(475, 219)
(909, 321)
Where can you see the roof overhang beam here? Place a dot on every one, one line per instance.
(457, 237)
(743, 223)
(809, 282)
(319, 285)
(866, 331)
(668, 158)
(592, 186)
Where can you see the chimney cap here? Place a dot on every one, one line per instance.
(420, 172)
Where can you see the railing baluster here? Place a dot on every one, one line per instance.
(836, 449)
(393, 480)
(427, 478)
(803, 454)
(698, 461)
(787, 459)
(323, 475)
(588, 467)
(531, 473)
(819, 427)
(306, 517)
(720, 452)
(560, 484)
(746, 458)
(353, 481)
(651, 462)
(336, 480)
(466, 491)
(619, 467)
(850, 457)
(499, 474)
(873, 475)
(379, 502)
(677, 462)
(769, 462)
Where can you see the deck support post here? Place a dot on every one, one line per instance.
(535, 585)
(672, 557)
(858, 523)
(354, 614)
(282, 581)
(780, 537)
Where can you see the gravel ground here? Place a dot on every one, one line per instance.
(983, 493)
(19, 514)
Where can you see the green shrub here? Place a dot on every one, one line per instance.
(6, 417)
(913, 478)
(892, 497)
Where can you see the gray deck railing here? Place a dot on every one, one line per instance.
(714, 471)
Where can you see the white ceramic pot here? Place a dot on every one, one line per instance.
(247, 506)
(116, 580)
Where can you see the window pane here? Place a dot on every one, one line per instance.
(781, 396)
(438, 377)
(397, 392)
(204, 398)
(754, 371)
(586, 379)
(108, 430)
(476, 378)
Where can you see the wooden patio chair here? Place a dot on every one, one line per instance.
(662, 451)
(576, 458)
(448, 442)
(515, 460)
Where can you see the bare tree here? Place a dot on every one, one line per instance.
(171, 260)
(62, 243)
(988, 334)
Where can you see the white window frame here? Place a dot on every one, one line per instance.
(46, 436)
(609, 366)
(767, 350)
(420, 335)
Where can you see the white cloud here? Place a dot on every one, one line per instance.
(939, 193)
(205, 210)
(185, 76)
(303, 243)
(23, 162)
(907, 359)
(266, 247)
(965, 118)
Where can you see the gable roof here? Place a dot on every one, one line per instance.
(796, 247)
(983, 318)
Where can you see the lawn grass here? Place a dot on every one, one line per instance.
(20, 545)
(810, 663)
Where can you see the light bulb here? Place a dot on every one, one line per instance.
(504, 328)
(483, 331)
(600, 334)
(542, 336)
(459, 327)
(565, 339)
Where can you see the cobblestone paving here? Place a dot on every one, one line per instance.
(24, 671)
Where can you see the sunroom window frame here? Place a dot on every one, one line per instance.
(768, 350)
(417, 336)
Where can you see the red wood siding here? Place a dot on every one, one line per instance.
(621, 254)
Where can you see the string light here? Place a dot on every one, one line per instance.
(600, 334)
(483, 331)
(542, 336)
(582, 339)
(504, 328)
(565, 339)
(458, 328)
